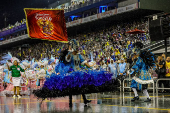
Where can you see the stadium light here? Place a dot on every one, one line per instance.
(72, 17)
(103, 8)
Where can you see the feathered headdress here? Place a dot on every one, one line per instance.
(5, 58)
(14, 59)
(74, 44)
(63, 55)
(35, 65)
(148, 58)
(26, 63)
(43, 63)
(2, 67)
(51, 60)
(137, 47)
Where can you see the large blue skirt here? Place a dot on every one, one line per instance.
(76, 82)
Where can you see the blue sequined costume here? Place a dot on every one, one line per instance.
(74, 80)
(142, 73)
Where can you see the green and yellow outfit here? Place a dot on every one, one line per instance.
(16, 75)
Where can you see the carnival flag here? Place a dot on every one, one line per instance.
(46, 24)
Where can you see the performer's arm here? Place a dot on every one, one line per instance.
(89, 66)
(84, 62)
(125, 69)
(9, 68)
(26, 68)
(118, 70)
(22, 70)
(160, 65)
(68, 57)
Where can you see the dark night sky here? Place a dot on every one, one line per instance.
(14, 9)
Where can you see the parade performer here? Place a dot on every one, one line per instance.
(28, 75)
(142, 62)
(51, 65)
(113, 68)
(76, 60)
(2, 77)
(72, 79)
(16, 75)
(9, 89)
(41, 72)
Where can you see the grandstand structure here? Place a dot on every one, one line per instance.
(85, 16)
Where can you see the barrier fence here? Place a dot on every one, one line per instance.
(122, 85)
(164, 79)
(126, 87)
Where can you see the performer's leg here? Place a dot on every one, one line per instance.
(18, 88)
(146, 93)
(14, 90)
(136, 94)
(134, 86)
(85, 100)
(84, 97)
(144, 87)
(18, 92)
(70, 101)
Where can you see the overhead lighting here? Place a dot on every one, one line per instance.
(72, 17)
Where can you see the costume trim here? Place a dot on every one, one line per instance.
(84, 62)
(77, 82)
(68, 60)
(138, 80)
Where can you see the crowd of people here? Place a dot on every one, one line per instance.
(163, 71)
(12, 26)
(112, 41)
(77, 4)
(109, 48)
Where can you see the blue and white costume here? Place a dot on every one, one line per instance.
(71, 79)
(142, 75)
(6, 76)
(122, 68)
(76, 61)
(113, 69)
(140, 69)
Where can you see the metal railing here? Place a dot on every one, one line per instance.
(157, 88)
(153, 88)
(120, 85)
(124, 84)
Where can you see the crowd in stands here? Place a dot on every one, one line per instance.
(110, 41)
(12, 26)
(163, 71)
(103, 44)
(109, 46)
(78, 4)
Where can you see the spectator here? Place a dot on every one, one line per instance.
(167, 72)
(161, 70)
(113, 68)
(122, 69)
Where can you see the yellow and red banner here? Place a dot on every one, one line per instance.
(46, 24)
